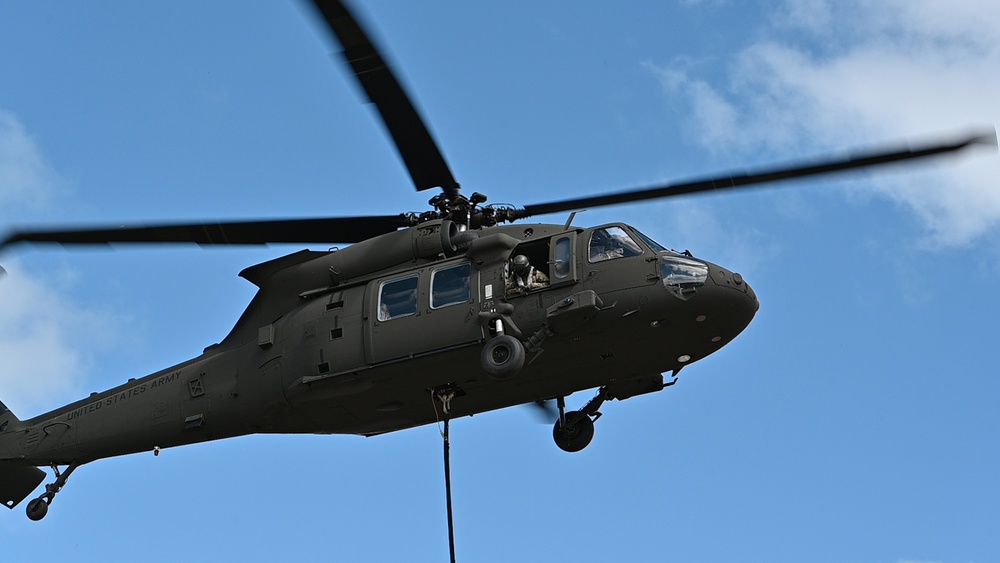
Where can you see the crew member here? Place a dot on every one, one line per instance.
(525, 277)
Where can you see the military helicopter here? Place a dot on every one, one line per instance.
(425, 317)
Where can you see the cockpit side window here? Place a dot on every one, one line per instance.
(611, 243)
(397, 298)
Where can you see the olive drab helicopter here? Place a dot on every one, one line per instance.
(424, 317)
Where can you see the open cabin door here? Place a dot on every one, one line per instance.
(554, 257)
(562, 259)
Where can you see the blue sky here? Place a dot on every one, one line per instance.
(854, 421)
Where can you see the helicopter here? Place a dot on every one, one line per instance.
(356, 341)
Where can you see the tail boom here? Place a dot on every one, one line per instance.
(16, 481)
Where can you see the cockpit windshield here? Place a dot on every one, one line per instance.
(610, 243)
(657, 247)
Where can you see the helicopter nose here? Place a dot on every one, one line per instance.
(739, 298)
(713, 292)
(710, 305)
(709, 285)
(725, 278)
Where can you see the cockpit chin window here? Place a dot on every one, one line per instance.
(682, 276)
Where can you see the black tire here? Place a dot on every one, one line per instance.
(577, 433)
(37, 509)
(502, 357)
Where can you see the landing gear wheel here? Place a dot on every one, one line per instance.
(37, 509)
(502, 357)
(576, 434)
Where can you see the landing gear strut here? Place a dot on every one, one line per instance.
(39, 507)
(574, 430)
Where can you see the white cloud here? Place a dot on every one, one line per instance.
(46, 340)
(894, 69)
(810, 14)
(42, 342)
(26, 180)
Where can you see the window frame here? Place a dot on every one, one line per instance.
(468, 287)
(562, 258)
(381, 294)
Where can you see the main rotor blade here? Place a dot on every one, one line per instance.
(414, 142)
(741, 179)
(324, 230)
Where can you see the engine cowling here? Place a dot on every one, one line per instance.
(426, 241)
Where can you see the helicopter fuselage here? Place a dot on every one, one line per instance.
(370, 339)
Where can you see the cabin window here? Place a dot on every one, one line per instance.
(450, 285)
(611, 243)
(397, 298)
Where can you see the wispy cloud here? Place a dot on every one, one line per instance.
(46, 341)
(36, 341)
(890, 70)
(26, 180)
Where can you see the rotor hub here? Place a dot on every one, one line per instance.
(465, 211)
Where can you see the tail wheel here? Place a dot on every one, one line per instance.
(575, 434)
(37, 509)
(502, 357)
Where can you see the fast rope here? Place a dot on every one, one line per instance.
(445, 399)
(447, 489)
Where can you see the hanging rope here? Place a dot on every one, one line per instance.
(445, 437)
(447, 489)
